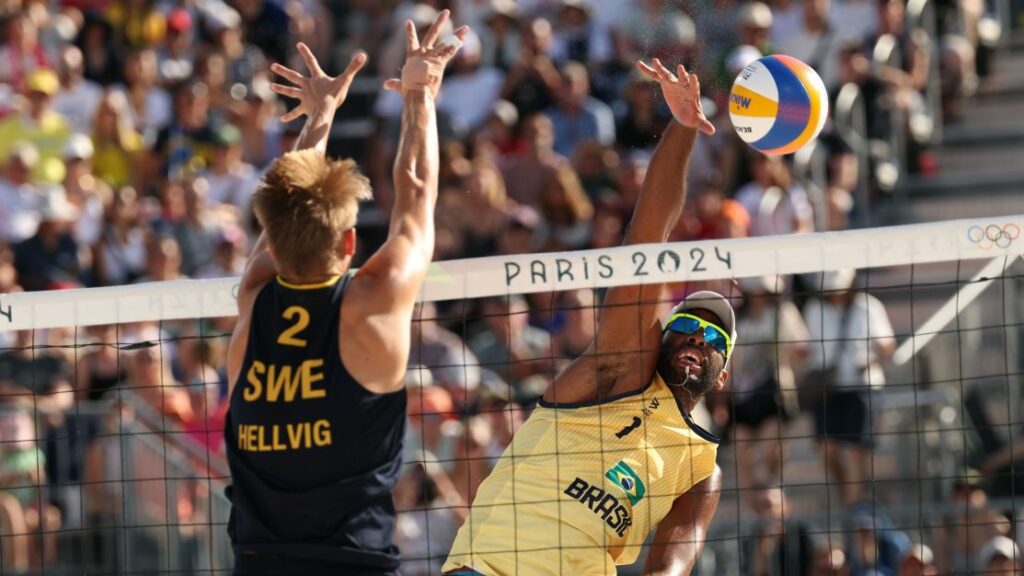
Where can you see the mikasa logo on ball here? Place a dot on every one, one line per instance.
(778, 105)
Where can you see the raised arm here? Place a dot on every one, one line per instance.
(625, 348)
(385, 288)
(681, 534)
(319, 97)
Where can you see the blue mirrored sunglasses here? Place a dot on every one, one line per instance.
(713, 335)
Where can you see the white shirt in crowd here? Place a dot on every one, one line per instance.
(867, 326)
(78, 105)
(771, 215)
(19, 216)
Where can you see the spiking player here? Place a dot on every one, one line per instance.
(316, 361)
(611, 452)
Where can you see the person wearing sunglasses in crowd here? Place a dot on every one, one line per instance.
(611, 451)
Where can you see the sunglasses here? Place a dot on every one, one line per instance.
(689, 324)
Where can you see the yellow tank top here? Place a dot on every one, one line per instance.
(582, 485)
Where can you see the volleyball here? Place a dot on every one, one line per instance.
(778, 104)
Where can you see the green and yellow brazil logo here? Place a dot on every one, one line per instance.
(623, 476)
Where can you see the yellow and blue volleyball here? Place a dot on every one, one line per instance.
(778, 104)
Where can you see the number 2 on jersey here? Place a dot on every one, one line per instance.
(301, 316)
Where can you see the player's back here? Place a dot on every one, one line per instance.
(313, 454)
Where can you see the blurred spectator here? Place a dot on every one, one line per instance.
(482, 212)
(243, 61)
(118, 145)
(99, 368)
(578, 324)
(229, 254)
(184, 147)
(875, 547)
(470, 89)
(266, 27)
(511, 346)
(88, 195)
(452, 365)
(520, 234)
(121, 257)
(78, 97)
(231, 180)
(713, 216)
(779, 547)
(197, 361)
(150, 376)
(149, 104)
(30, 522)
(764, 367)
(1000, 557)
(22, 54)
(163, 260)
(829, 561)
(919, 561)
(533, 83)
(530, 173)
(19, 214)
(578, 117)
(499, 35)
(973, 521)
(577, 36)
(427, 518)
(50, 258)
(567, 211)
(816, 42)
(103, 62)
(594, 166)
(137, 23)
(642, 119)
(39, 124)
(775, 201)
(176, 56)
(656, 29)
(855, 337)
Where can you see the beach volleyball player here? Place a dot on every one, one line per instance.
(611, 452)
(317, 358)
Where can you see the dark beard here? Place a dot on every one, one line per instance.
(697, 386)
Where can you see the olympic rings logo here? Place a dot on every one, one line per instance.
(993, 235)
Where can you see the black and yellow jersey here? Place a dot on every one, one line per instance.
(313, 454)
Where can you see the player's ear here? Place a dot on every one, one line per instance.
(722, 377)
(348, 242)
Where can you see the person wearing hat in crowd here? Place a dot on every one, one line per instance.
(176, 55)
(18, 200)
(40, 125)
(231, 180)
(500, 40)
(1000, 557)
(85, 192)
(611, 449)
(852, 334)
(50, 258)
(577, 37)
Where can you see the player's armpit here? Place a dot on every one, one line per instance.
(680, 538)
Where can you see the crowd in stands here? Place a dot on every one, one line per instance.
(133, 134)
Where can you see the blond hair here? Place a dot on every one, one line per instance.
(305, 203)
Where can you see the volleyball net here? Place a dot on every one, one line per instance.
(112, 401)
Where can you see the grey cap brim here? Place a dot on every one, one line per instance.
(712, 302)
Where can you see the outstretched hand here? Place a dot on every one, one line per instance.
(319, 93)
(426, 59)
(682, 93)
